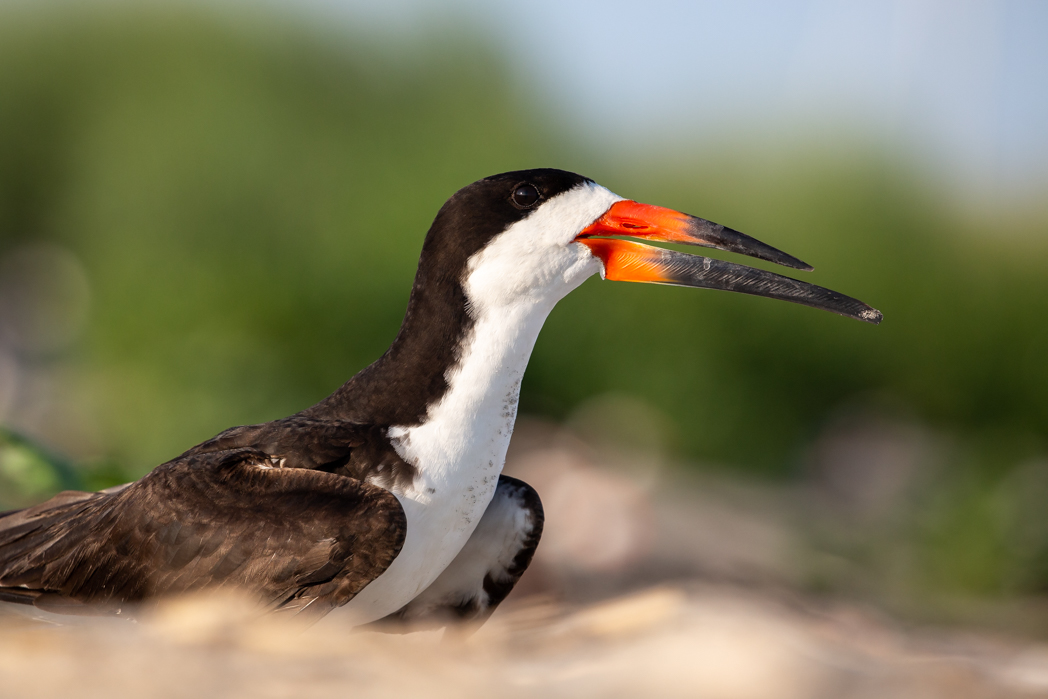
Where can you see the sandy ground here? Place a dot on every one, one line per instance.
(703, 641)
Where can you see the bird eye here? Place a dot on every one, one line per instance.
(525, 195)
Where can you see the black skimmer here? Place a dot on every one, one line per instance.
(387, 496)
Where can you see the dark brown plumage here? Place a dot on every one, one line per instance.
(227, 518)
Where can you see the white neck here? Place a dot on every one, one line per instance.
(510, 287)
(459, 449)
(467, 432)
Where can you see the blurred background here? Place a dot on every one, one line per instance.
(211, 212)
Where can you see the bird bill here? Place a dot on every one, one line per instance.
(627, 260)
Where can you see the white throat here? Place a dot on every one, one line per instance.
(459, 450)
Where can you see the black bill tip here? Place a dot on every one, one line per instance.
(714, 235)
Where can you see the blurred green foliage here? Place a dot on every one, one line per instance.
(29, 473)
(249, 201)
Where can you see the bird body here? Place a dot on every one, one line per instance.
(386, 498)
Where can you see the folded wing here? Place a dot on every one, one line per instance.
(294, 537)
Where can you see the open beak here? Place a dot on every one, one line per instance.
(629, 261)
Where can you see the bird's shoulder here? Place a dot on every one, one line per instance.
(357, 450)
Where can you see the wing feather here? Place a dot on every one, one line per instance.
(211, 518)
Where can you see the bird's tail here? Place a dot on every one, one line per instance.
(25, 533)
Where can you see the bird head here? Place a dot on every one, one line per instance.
(531, 236)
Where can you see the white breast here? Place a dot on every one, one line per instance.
(459, 451)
